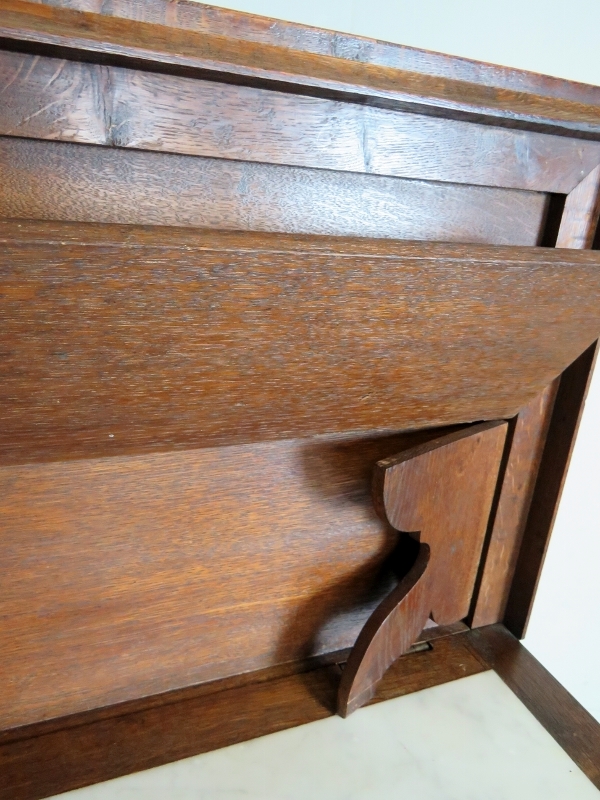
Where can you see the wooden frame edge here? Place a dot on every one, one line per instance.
(98, 746)
(565, 719)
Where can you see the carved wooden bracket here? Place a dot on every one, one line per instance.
(441, 494)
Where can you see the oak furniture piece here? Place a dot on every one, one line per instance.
(296, 332)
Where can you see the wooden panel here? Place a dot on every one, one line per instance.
(48, 98)
(517, 486)
(63, 181)
(125, 577)
(568, 407)
(127, 42)
(575, 730)
(265, 30)
(582, 210)
(443, 490)
(142, 342)
(577, 228)
(140, 738)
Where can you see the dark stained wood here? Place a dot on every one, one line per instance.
(100, 748)
(389, 633)
(131, 43)
(516, 490)
(46, 98)
(125, 577)
(251, 27)
(443, 489)
(120, 340)
(577, 229)
(580, 218)
(566, 415)
(63, 181)
(575, 730)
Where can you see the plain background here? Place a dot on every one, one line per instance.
(556, 37)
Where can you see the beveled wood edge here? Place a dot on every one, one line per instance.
(562, 433)
(207, 18)
(89, 36)
(565, 719)
(98, 746)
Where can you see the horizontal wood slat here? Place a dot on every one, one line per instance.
(124, 577)
(123, 340)
(64, 181)
(127, 42)
(100, 749)
(47, 98)
(265, 30)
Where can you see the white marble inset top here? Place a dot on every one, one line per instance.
(467, 740)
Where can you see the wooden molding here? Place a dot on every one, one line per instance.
(78, 35)
(38, 761)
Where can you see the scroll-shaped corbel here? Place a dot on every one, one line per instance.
(440, 493)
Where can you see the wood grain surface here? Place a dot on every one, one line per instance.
(124, 577)
(64, 181)
(265, 30)
(582, 209)
(121, 340)
(568, 407)
(144, 735)
(47, 98)
(389, 633)
(441, 492)
(82, 35)
(578, 226)
(509, 518)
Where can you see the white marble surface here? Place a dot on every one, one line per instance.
(467, 740)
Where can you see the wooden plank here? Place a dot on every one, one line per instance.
(562, 432)
(47, 98)
(346, 335)
(105, 748)
(113, 569)
(582, 209)
(575, 730)
(265, 30)
(510, 514)
(64, 181)
(126, 42)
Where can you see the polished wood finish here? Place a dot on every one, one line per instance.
(577, 230)
(95, 366)
(441, 491)
(389, 633)
(106, 743)
(64, 181)
(265, 30)
(582, 209)
(132, 573)
(575, 730)
(47, 98)
(159, 730)
(113, 568)
(82, 35)
(518, 477)
(562, 432)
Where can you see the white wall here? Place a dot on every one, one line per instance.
(557, 37)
